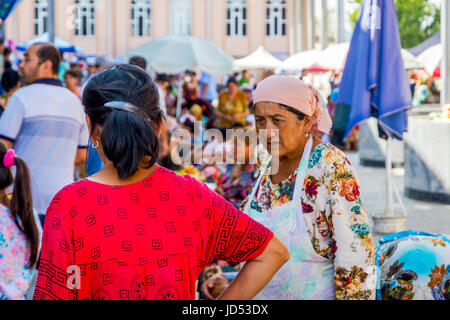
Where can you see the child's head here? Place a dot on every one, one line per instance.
(197, 112)
(10, 80)
(21, 204)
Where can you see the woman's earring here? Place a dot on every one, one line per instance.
(306, 135)
(95, 145)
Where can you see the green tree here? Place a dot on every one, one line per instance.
(417, 20)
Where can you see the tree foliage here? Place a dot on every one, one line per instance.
(417, 20)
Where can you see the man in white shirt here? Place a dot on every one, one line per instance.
(45, 123)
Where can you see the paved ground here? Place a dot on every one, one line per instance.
(422, 216)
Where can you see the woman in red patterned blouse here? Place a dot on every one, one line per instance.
(136, 230)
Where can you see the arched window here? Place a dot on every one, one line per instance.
(276, 18)
(236, 18)
(140, 18)
(40, 17)
(84, 17)
(180, 17)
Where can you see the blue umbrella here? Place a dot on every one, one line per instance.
(61, 44)
(374, 81)
(6, 7)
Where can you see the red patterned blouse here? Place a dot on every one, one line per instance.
(148, 240)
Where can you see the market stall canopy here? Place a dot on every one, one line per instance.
(6, 7)
(410, 60)
(260, 59)
(300, 61)
(175, 54)
(334, 57)
(61, 44)
(432, 41)
(431, 58)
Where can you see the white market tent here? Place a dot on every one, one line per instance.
(433, 40)
(335, 56)
(431, 58)
(332, 58)
(260, 59)
(410, 61)
(175, 54)
(300, 61)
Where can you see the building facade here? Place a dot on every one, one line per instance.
(111, 27)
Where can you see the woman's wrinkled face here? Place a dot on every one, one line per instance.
(284, 130)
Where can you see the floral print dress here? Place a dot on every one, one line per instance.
(15, 276)
(335, 218)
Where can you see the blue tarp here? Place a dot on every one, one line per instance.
(61, 44)
(374, 82)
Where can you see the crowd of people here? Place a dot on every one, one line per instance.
(96, 204)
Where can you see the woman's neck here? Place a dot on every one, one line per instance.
(109, 176)
(290, 162)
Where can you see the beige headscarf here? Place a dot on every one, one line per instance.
(293, 92)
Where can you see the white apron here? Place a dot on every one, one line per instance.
(307, 275)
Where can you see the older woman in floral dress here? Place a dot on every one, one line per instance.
(313, 203)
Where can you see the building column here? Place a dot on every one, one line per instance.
(324, 24)
(208, 19)
(312, 21)
(302, 26)
(445, 64)
(51, 21)
(292, 23)
(110, 28)
(341, 21)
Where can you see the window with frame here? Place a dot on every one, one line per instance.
(276, 18)
(236, 18)
(84, 17)
(140, 18)
(40, 17)
(180, 17)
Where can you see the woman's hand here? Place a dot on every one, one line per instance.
(214, 286)
(256, 274)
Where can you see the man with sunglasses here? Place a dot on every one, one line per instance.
(46, 125)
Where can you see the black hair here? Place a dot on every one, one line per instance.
(74, 72)
(127, 138)
(47, 51)
(139, 61)
(300, 115)
(237, 125)
(189, 125)
(162, 77)
(21, 203)
(10, 79)
(232, 80)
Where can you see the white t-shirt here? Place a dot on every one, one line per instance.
(47, 125)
